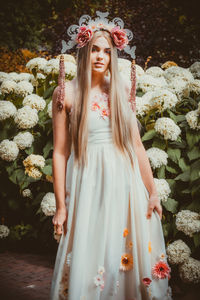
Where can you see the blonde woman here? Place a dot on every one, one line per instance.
(107, 209)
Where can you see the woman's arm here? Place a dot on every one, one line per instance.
(146, 173)
(61, 152)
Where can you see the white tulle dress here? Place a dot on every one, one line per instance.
(111, 250)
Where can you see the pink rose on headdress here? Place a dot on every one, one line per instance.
(84, 35)
(119, 37)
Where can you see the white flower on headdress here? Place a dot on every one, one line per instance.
(7, 109)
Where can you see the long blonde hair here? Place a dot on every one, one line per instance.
(121, 114)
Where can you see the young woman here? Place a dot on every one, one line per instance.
(107, 208)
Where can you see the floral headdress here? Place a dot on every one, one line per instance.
(81, 34)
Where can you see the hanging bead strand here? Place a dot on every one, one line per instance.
(61, 84)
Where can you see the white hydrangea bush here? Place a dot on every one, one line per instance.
(167, 128)
(7, 109)
(188, 222)
(162, 188)
(26, 117)
(48, 204)
(8, 150)
(157, 157)
(4, 231)
(189, 271)
(178, 252)
(24, 140)
(34, 101)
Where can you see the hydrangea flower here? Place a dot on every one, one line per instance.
(8, 150)
(48, 204)
(23, 140)
(26, 117)
(162, 188)
(167, 128)
(7, 109)
(157, 157)
(178, 252)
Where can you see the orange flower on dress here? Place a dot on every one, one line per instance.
(125, 232)
(129, 245)
(149, 246)
(162, 256)
(126, 262)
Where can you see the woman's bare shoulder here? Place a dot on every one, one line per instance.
(70, 93)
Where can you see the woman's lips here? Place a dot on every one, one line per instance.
(99, 64)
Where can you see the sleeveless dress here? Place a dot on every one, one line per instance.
(111, 250)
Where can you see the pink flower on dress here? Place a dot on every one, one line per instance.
(119, 37)
(147, 281)
(161, 270)
(84, 36)
(105, 112)
(95, 106)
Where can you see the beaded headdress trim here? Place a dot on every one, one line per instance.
(82, 33)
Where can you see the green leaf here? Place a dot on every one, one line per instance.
(195, 170)
(49, 92)
(166, 229)
(47, 170)
(180, 118)
(161, 172)
(148, 135)
(192, 138)
(170, 205)
(174, 154)
(48, 147)
(171, 170)
(194, 153)
(172, 184)
(196, 239)
(182, 164)
(172, 115)
(185, 176)
(158, 143)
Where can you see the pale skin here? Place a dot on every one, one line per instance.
(100, 60)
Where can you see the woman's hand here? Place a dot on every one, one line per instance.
(59, 220)
(154, 203)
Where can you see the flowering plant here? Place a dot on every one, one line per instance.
(85, 34)
(119, 37)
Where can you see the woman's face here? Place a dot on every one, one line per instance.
(100, 55)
